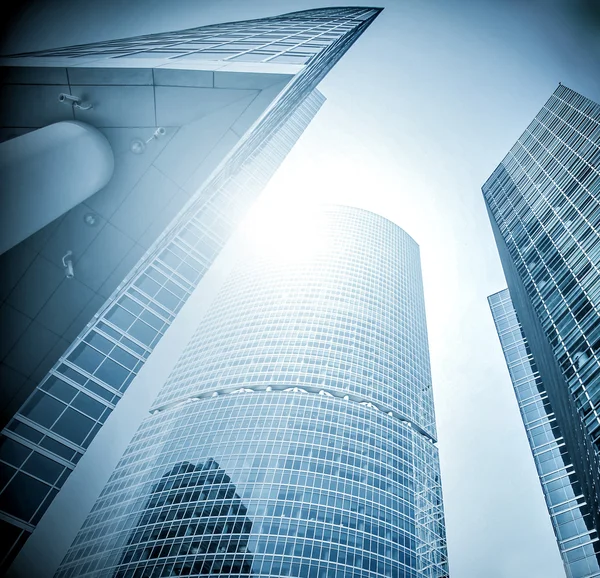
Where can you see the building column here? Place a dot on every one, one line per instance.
(47, 172)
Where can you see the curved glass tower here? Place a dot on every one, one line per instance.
(296, 434)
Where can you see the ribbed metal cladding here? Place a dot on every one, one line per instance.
(544, 205)
(295, 436)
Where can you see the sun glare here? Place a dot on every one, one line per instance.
(284, 231)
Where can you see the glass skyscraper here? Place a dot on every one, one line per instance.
(570, 513)
(306, 388)
(544, 206)
(268, 70)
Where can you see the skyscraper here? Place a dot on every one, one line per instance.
(570, 513)
(198, 121)
(544, 206)
(308, 382)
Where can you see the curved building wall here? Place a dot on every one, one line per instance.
(307, 389)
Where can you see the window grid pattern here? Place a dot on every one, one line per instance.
(104, 359)
(294, 38)
(545, 198)
(569, 512)
(328, 478)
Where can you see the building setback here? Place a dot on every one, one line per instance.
(198, 121)
(308, 383)
(544, 206)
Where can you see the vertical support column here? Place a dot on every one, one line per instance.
(47, 172)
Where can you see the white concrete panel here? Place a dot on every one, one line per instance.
(84, 318)
(211, 161)
(33, 106)
(31, 348)
(73, 234)
(110, 76)
(122, 270)
(180, 77)
(118, 106)
(186, 64)
(38, 241)
(176, 106)
(194, 142)
(12, 382)
(49, 360)
(257, 107)
(35, 287)
(13, 265)
(101, 258)
(256, 80)
(144, 204)
(129, 167)
(12, 325)
(120, 139)
(64, 305)
(34, 75)
(164, 218)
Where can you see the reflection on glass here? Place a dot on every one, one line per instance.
(187, 514)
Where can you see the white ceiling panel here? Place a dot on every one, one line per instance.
(73, 234)
(194, 141)
(31, 348)
(13, 265)
(36, 286)
(121, 271)
(13, 324)
(64, 305)
(102, 256)
(33, 105)
(176, 105)
(144, 204)
(118, 106)
(110, 76)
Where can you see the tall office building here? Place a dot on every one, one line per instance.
(196, 122)
(570, 513)
(308, 383)
(544, 205)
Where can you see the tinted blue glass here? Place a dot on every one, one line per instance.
(73, 426)
(42, 467)
(43, 409)
(23, 496)
(112, 373)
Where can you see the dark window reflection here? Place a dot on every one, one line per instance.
(194, 523)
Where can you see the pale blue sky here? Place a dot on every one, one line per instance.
(419, 113)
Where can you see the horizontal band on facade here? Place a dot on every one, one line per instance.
(287, 389)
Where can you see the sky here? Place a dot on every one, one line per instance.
(418, 114)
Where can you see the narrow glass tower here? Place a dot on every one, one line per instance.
(544, 205)
(570, 513)
(307, 388)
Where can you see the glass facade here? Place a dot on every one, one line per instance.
(544, 205)
(569, 512)
(60, 419)
(307, 388)
(294, 38)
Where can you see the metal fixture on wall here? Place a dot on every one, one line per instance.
(68, 264)
(74, 101)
